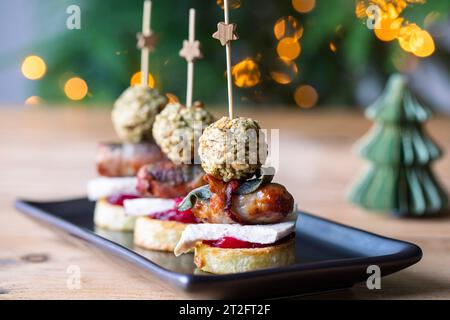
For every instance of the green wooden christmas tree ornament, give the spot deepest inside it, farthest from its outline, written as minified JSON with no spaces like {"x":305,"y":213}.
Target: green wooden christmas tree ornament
{"x":399,"y":179}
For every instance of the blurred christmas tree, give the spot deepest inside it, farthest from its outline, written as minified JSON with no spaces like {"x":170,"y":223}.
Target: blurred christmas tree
{"x":399,"y":179}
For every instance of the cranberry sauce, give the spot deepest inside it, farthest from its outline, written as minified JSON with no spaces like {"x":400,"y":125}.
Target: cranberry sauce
{"x":233,"y":243}
{"x":118,"y":199}
{"x":176,"y":215}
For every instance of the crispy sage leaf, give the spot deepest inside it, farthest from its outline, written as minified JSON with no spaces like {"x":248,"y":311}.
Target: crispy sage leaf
{"x":263,"y":176}
{"x":201,"y":193}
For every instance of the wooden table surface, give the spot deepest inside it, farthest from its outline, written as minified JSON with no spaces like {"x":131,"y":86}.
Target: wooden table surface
{"x":48,"y":153}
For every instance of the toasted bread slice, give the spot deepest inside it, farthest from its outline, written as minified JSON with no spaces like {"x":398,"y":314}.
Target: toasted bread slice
{"x":223,"y":261}
{"x":112,"y":217}
{"x":157,"y":234}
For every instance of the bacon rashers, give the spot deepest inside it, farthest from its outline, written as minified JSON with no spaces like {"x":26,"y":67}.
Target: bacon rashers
{"x":142,"y":172}
{"x":117,"y":165}
{"x":163,"y":185}
{"x":164,"y":179}
{"x":160,"y":185}
{"x":125,"y":159}
{"x":243,"y":232}
{"x":271,"y":203}
{"x":141,"y":169}
{"x":247,"y":222}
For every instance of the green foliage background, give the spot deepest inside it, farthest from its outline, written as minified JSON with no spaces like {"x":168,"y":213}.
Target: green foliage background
{"x":104,"y":51}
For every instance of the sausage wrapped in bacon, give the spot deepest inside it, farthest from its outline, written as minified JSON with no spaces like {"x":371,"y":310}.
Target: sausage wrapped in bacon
{"x":124,"y":160}
{"x":165,"y":179}
{"x":270,"y":203}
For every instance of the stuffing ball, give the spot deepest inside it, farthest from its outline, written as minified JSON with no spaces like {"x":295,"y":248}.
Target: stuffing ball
{"x":134,"y":113}
{"x":233,"y":149}
{"x":177,"y":129}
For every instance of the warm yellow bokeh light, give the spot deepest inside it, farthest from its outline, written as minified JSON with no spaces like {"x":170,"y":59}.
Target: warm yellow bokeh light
{"x":284,"y":71}
{"x":246,"y":73}
{"x":389,"y":29}
{"x":232,"y":4}
{"x":332,"y":47}
{"x":75,"y":88}
{"x":33,"y":101}
{"x":287,"y":27}
{"x":303,"y":6}
{"x":389,"y":8}
{"x":33,"y":67}
{"x":171,"y":98}
{"x":401,"y":5}
{"x":361,"y":9}
{"x":289,"y":48}
{"x":405,"y":34}
{"x":136,"y":79}
{"x":306,"y":96}
{"x":415,"y":40}
{"x":422,"y":44}
{"x":392,"y":26}
{"x":392,"y":11}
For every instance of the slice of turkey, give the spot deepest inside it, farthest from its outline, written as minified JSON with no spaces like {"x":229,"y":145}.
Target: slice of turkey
{"x":104,"y":187}
{"x":264,"y":234}
{"x":147,"y":206}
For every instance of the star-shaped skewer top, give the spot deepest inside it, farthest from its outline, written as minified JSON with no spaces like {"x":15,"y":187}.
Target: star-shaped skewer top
{"x":146,"y":41}
{"x":191,"y":50}
{"x":225,"y":33}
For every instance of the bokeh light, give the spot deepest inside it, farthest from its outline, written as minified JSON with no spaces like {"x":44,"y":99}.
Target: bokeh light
{"x":287,"y":27}
{"x":284,"y":71}
{"x":303,"y":6}
{"x":136,"y":79}
{"x":415,"y":40}
{"x":410,"y":36}
{"x":389,"y":29}
{"x":33,"y":67}
{"x":33,"y":101}
{"x":232,"y":4}
{"x":361,"y":9}
{"x":75,"y":88}
{"x":289,"y":48}
{"x":246,"y":73}
{"x":422,"y":44}
{"x":405,"y":34}
{"x":332,"y":46}
{"x":306,"y":96}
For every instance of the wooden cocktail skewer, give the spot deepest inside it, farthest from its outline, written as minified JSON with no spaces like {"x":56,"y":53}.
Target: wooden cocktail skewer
{"x":191,"y":52}
{"x":225,"y":33}
{"x":146,"y":41}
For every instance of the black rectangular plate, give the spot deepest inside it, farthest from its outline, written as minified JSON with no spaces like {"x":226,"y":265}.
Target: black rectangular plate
{"x":329,"y":255}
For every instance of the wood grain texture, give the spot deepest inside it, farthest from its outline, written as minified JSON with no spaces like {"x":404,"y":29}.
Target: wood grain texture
{"x":48,"y":153}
